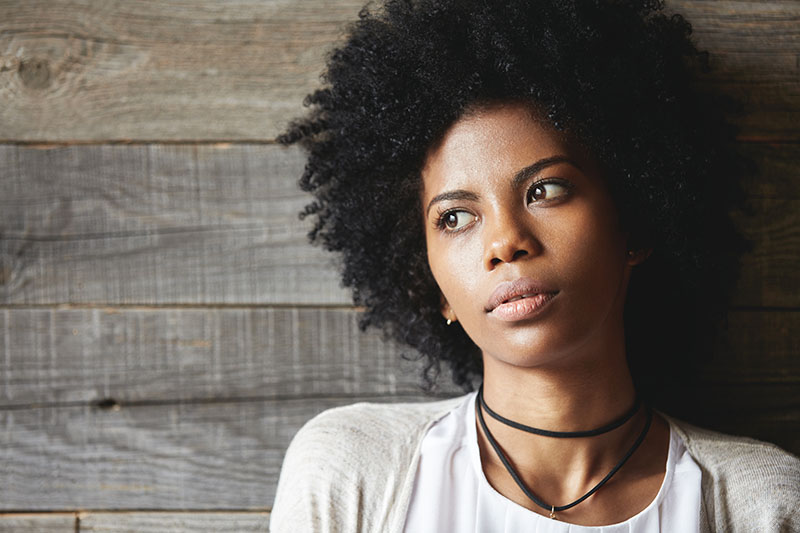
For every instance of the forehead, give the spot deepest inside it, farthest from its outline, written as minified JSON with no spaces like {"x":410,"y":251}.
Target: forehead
{"x":492,"y":142}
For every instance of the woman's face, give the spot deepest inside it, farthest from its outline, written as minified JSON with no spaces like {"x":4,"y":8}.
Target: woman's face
{"x":523,"y":239}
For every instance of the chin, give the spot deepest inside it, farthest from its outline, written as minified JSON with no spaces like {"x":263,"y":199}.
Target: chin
{"x":535,"y":349}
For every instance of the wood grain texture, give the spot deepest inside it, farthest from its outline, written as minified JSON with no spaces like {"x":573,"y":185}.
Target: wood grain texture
{"x":136,"y":522}
{"x":225,"y":455}
{"x":217,"y":224}
{"x":171,"y":522}
{"x":38,"y":523}
{"x":170,"y":355}
{"x":83,"y":356}
{"x":770,"y":274}
{"x":73,"y":70}
{"x":190,"y":69}
{"x":754,"y":49}
{"x":175,"y":456}
{"x":158,"y":224}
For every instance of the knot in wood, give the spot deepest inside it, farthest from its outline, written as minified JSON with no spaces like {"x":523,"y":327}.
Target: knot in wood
{"x":108,"y":404}
{"x":35,"y":73}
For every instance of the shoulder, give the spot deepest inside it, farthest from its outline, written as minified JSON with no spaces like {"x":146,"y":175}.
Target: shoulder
{"x":369,"y":428}
{"x":347,"y":465}
{"x":733,"y":456}
{"x":746,"y":482}
{"x":368,"y":419}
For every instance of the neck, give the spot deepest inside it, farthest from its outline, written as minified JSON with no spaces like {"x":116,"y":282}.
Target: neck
{"x":582,"y":394}
{"x":574,"y":397}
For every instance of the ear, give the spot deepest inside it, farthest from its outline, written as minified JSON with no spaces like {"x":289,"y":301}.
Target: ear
{"x":637,"y":248}
{"x":446,"y":310}
{"x":637,"y":257}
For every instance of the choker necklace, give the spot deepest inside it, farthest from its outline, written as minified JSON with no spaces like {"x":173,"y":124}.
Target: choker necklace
{"x":562,"y":434}
{"x":558,"y":508}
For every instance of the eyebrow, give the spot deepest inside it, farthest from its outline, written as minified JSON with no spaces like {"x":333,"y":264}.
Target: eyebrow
{"x":519,"y":178}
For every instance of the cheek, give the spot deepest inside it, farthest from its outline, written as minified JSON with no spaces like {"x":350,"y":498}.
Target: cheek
{"x":451,"y":264}
{"x":439,"y":263}
{"x":593,"y":249}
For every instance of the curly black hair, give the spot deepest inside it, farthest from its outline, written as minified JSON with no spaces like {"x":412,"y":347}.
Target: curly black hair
{"x":618,"y":75}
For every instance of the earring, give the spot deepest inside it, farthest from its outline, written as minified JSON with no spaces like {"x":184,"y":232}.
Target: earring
{"x":449,"y":321}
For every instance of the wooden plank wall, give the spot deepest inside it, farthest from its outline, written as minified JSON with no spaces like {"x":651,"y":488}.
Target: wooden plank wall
{"x":164,"y":327}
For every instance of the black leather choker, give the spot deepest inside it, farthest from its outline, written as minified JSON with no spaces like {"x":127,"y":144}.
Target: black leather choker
{"x":479,"y":402}
{"x":562,"y":434}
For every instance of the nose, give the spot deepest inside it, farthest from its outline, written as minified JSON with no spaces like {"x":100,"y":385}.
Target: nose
{"x":508,"y":240}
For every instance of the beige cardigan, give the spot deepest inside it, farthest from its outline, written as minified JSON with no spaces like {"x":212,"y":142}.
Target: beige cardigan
{"x":351,"y":469}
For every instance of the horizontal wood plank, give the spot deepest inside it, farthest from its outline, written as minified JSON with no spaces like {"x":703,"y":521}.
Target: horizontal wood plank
{"x":754,"y":48}
{"x":171,"y":522}
{"x":185,"y":456}
{"x":158,"y":224}
{"x":72,"y":70}
{"x":218,"y":224}
{"x":39,"y":523}
{"x":198,"y":70}
{"x":129,"y":355}
{"x":86,"y":356}
{"x":770,"y":273}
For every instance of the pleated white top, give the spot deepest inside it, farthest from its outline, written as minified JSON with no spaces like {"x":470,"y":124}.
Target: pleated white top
{"x":451,"y":493}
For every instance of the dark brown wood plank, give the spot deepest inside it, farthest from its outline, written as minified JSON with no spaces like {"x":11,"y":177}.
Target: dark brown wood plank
{"x":227,"y":455}
{"x":172,"y":522}
{"x":754,"y":48}
{"x":217,"y":224}
{"x":778,"y":174}
{"x":40,"y":523}
{"x":77,"y":71}
{"x":132,"y":356}
{"x":770,"y":274}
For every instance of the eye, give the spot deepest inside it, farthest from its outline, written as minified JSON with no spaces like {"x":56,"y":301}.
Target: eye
{"x":548,"y":190}
{"x":456,"y":220}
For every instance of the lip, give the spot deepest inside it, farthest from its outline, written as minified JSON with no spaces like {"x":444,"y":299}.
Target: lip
{"x":528,"y":297}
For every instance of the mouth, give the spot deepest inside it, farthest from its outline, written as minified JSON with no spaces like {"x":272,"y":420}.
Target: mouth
{"x":515,"y":298}
{"x":519,"y":299}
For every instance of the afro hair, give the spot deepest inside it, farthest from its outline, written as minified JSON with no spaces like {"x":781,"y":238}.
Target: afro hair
{"x":618,"y":75}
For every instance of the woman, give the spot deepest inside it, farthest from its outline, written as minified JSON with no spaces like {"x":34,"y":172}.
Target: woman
{"x":532,"y":194}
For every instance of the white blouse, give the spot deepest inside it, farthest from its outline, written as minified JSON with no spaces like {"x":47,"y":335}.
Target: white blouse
{"x":451,"y":493}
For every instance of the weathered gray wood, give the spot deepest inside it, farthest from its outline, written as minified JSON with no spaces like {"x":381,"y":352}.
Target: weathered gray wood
{"x":171,"y":522}
{"x":166,"y":224}
{"x":86,"y":355}
{"x":224,"y":455}
{"x":158,"y":224}
{"x":74,"y":70}
{"x":220,"y":455}
{"x":203,"y":69}
{"x":58,"y":356}
{"x":38,"y":523}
